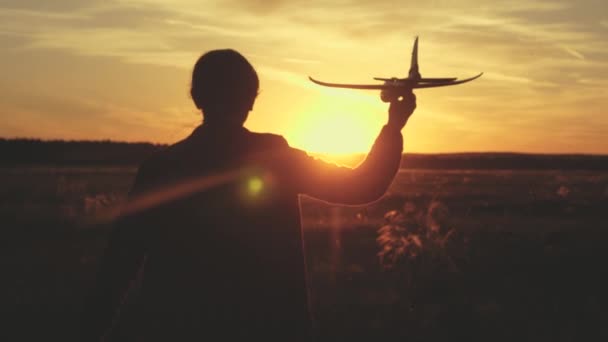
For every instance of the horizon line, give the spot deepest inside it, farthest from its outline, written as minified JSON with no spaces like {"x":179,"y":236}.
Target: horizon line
{"x":55,"y":140}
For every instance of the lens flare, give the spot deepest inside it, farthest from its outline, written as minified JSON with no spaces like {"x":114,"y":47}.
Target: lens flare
{"x":255,"y":185}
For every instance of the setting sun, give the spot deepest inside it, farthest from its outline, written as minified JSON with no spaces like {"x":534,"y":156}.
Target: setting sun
{"x":336,"y":134}
{"x":339,"y":122}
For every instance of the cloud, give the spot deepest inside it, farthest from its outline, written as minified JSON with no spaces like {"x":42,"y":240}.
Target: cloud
{"x":259,"y":6}
{"x":50,"y":7}
{"x":507,"y":78}
{"x":572,"y":52}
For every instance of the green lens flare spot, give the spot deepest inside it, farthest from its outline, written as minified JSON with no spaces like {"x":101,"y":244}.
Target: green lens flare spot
{"x":255,"y":185}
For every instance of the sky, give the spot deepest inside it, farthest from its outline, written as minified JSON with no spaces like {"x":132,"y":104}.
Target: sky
{"x":120,"y":70}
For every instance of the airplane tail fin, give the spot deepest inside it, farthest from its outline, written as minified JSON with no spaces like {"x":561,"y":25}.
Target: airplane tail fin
{"x":414,"y":72}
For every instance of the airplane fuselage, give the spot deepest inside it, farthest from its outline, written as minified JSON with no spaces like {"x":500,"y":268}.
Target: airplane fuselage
{"x":400,"y":82}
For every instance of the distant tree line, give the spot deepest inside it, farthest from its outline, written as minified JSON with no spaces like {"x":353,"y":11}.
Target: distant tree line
{"x":59,"y":152}
{"x":505,"y":161}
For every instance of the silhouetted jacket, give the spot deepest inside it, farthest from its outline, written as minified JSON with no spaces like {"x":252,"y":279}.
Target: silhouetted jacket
{"x":218,"y":248}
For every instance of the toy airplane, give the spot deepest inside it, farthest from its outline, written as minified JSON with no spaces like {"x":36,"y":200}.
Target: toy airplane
{"x":394,"y":86}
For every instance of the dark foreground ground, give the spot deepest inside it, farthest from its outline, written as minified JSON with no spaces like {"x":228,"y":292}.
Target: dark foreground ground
{"x":527,"y":259}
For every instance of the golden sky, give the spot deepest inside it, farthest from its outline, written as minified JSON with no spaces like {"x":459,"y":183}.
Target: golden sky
{"x":102,"y":69}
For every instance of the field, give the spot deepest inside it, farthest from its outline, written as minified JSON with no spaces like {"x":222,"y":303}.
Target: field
{"x":526,"y":259}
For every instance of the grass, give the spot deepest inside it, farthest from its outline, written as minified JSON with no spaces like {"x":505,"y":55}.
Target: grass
{"x":532,"y":262}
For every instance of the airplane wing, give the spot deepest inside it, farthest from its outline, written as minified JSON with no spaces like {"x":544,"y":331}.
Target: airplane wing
{"x":437,"y":80}
{"x":429,"y":83}
{"x":444,"y":84}
{"x":350,"y":86}
{"x":425,"y":80}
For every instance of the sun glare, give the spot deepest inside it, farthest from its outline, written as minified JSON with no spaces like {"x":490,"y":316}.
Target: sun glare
{"x":336,"y":135}
{"x":335,"y":126}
